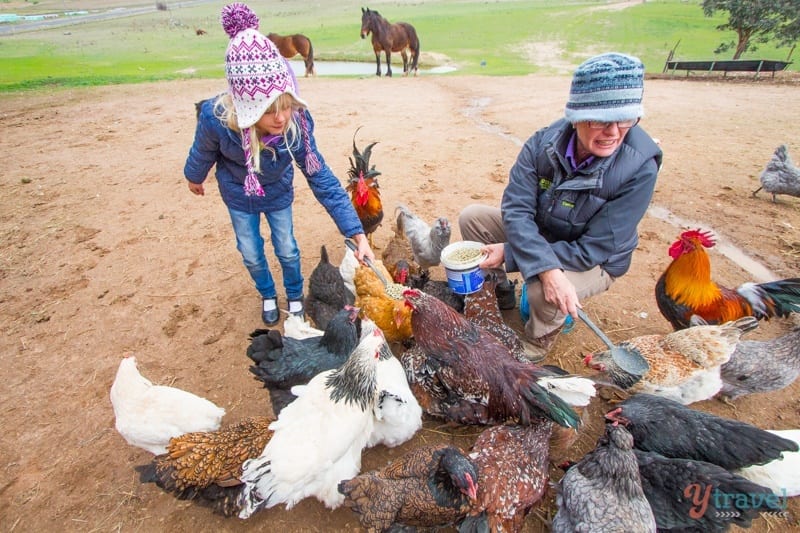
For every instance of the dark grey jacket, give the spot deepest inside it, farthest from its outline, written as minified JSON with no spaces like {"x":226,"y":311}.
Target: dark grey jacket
{"x":555,"y":218}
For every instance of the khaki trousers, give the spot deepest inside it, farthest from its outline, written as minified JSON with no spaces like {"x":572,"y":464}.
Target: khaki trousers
{"x":484,"y":224}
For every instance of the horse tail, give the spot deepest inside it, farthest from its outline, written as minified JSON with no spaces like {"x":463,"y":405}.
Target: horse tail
{"x":413,"y":43}
{"x":310,"y":58}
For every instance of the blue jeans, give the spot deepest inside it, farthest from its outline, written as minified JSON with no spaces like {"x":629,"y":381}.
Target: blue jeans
{"x":250,"y":243}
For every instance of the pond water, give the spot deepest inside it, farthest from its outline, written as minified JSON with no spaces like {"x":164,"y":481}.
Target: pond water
{"x":358,"y":68}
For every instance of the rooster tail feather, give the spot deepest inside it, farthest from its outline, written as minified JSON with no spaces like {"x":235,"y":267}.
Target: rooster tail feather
{"x":784,"y":295}
{"x":551,"y":405}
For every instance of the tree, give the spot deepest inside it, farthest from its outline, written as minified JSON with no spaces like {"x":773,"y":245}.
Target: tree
{"x":756,"y":21}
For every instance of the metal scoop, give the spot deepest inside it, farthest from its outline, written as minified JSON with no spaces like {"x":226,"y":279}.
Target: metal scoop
{"x":628,"y":360}
{"x":352,"y":245}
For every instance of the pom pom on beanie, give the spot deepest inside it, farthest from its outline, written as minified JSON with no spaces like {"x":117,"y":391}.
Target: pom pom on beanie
{"x":606,"y":88}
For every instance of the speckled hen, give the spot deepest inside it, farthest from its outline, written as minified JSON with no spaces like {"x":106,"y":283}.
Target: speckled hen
{"x":683,"y":365}
{"x":513,"y":464}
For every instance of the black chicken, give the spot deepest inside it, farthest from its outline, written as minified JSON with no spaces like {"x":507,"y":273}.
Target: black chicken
{"x":327,"y":294}
{"x":674,"y":430}
{"x":283,"y":362}
{"x":464,"y":374}
{"x":429,"y":486}
{"x":699,"y":496}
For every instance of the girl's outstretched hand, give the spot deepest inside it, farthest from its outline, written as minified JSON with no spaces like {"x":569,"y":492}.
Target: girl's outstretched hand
{"x":196,"y":188}
{"x":364,"y":250}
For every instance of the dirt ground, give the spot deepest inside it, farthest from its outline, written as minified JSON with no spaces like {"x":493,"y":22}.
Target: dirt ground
{"x":105,"y":251}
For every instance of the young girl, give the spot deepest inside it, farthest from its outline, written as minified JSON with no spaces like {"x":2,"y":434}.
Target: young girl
{"x":254,"y":133}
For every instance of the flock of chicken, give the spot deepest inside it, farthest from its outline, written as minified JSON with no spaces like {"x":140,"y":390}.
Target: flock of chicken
{"x":387,"y":345}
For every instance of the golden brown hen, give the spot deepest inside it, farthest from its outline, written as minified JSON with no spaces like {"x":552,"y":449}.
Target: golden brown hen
{"x":393,"y":316}
{"x":684,"y":365}
{"x":205,"y":466}
{"x":365,"y":193}
{"x":513,"y":462}
{"x":429,"y":486}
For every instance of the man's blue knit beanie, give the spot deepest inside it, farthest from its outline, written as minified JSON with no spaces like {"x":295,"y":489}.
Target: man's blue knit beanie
{"x":606,"y":88}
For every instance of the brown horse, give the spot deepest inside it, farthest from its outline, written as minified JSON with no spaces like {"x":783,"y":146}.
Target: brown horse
{"x":291,"y":45}
{"x":387,"y":37}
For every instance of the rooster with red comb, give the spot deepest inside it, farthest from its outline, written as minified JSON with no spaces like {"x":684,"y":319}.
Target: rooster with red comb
{"x":686,"y":289}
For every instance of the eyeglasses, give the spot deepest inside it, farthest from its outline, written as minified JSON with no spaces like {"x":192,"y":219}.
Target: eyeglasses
{"x":621,"y":124}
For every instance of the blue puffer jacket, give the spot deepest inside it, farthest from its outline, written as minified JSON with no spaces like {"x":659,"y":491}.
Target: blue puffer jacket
{"x":557,"y":218}
{"x":214,"y":143}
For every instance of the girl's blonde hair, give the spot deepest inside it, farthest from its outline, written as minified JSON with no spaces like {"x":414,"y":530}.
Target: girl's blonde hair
{"x":225,"y":111}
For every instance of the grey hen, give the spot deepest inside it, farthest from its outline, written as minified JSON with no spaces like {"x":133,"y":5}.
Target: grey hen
{"x":427,"y":240}
{"x":781,"y":176}
{"x":603,"y":491}
{"x":762,"y":366}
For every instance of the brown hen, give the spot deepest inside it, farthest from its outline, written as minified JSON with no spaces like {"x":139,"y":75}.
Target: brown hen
{"x":513,"y":462}
{"x":430,"y":486}
{"x":205,"y":466}
{"x":365,"y":193}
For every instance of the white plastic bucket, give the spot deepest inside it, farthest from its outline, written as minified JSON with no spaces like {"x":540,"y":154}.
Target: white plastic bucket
{"x":463,"y":277}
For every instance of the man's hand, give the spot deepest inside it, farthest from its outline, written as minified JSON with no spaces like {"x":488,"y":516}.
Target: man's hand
{"x":560,"y":291}
{"x":495,"y":255}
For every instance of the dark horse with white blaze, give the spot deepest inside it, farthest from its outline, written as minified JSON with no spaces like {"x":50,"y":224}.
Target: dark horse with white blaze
{"x":398,"y":37}
{"x":291,"y":45}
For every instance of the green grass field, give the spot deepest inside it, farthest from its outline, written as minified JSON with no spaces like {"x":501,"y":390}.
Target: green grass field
{"x":492,"y":38}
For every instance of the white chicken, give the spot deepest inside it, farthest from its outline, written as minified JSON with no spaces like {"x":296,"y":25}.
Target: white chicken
{"x":318,"y":437}
{"x":398,"y":414}
{"x":148,"y":415}
{"x":781,"y":476}
{"x":347,"y":268}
